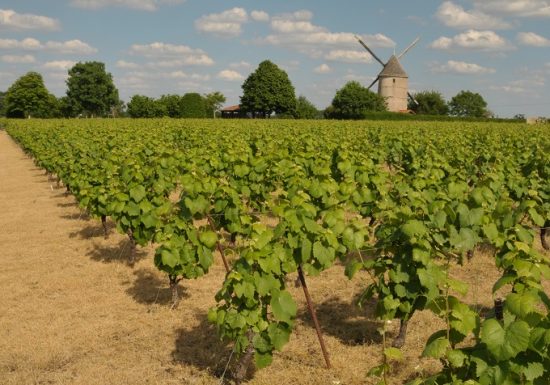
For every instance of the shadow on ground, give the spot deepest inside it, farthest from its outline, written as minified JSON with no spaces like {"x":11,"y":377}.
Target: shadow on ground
{"x":78,"y":216}
{"x":346,"y":321}
{"x":68,"y":204}
{"x":201,"y":347}
{"x":61,"y":193}
{"x":149,"y":289}
{"x":93,"y":230}
{"x":118,"y":253}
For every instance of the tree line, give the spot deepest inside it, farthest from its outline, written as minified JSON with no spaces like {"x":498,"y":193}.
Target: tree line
{"x":91,"y":93}
{"x":189,"y":105}
{"x":267,"y":92}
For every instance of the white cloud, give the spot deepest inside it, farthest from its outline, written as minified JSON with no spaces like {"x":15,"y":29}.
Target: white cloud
{"x":57,"y":76}
{"x":295,"y":31}
{"x":226,"y":24}
{"x":322,"y":69}
{"x":462,"y":68}
{"x":27,"y":44}
{"x":155,"y":75}
{"x":241,"y":64}
{"x":516,"y":8}
{"x":230,"y":75}
{"x":290,"y":66}
{"x":522,"y":86}
{"x":126,"y":64}
{"x":9,"y":19}
{"x":160,"y":65}
{"x":65,"y":47}
{"x":70,"y":47}
{"x":165,"y":64}
{"x":293,"y":26}
{"x":176,"y":75}
{"x":201,"y":59}
{"x":474,"y":40}
{"x":200,"y":77}
{"x":132,"y":82}
{"x":349,"y":56}
{"x":198,"y":60}
{"x":259,"y":16}
{"x":18,"y":59}
{"x":143,"y":5}
{"x":162,"y":49}
{"x":323,"y":39}
{"x":59,"y":65}
{"x":351,"y":75}
{"x":453,"y":15}
{"x":195,"y":86}
{"x":302,"y":14}
{"x":530,"y":78}
{"x":511,"y":89}
{"x":179,"y":54}
{"x":157,"y":82}
{"x":532,"y":39}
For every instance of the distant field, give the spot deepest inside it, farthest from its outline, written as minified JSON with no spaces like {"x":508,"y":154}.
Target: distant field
{"x":111,"y":223}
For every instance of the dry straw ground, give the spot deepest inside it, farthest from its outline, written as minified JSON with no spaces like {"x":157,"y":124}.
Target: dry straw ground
{"x":72,"y":311}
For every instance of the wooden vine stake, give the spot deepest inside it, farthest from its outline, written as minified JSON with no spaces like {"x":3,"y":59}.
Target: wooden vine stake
{"x":240,"y":373}
{"x":543,"y":232}
{"x":313,"y":316}
{"x":218,"y":244}
{"x":132,"y":256}
{"x":104,"y":224}
{"x":174,"y":280}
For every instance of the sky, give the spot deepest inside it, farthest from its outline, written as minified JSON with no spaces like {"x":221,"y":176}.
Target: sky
{"x":498,"y":48}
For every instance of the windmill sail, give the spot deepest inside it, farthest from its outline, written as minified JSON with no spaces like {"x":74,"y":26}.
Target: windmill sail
{"x":393,"y":81}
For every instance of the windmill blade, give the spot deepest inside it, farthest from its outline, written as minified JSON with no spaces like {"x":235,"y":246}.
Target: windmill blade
{"x":370,"y":51}
{"x":408,"y":48}
{"x":375,"y":80}
{"x":412,"y":98}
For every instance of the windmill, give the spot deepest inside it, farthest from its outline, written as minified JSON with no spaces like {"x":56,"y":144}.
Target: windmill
{"x":393,"y":81}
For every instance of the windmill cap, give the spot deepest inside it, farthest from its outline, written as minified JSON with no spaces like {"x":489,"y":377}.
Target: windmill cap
{"x":393,"y":69}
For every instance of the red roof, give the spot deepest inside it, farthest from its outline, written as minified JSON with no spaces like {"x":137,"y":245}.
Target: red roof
{"x":231,"y":108}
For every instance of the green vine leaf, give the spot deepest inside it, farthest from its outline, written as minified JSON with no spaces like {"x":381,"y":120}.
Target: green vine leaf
{"x":505,"y":343}
{"x":283,"y":307}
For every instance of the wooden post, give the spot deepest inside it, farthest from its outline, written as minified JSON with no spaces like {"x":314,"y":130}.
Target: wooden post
{"x":313,"y":316}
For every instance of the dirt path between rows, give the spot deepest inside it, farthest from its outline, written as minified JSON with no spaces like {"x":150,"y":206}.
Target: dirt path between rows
{"x":73,"y":312}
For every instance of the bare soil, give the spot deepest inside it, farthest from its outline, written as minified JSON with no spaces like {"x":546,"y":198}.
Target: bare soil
{"x":73,"y":312}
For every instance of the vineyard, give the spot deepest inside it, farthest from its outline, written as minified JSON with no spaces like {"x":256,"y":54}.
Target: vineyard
{"x":283,"y":206}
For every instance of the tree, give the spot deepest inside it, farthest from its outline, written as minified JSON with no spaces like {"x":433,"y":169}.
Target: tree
{"x":28,"y":97}
{"x":468,"y":104}
{"x":2,"y":96}
{"x":429,"y":103}
{"x":305,"y":109}
{"x":171,"y":105}
{"x":67,"y":108}
{"x":193,"y":106}
{"x":91,"y":90}
{"x":145,"y":107}
{"x":268,"y":90}
{"x":353,"y":101}
{"x":213,"y":102}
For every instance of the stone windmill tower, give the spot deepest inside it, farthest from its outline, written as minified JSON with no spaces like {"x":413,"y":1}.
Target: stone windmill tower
{"x":393,"y":81}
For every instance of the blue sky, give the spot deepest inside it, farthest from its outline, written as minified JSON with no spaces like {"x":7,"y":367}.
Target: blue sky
{"x":499,"y":48}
